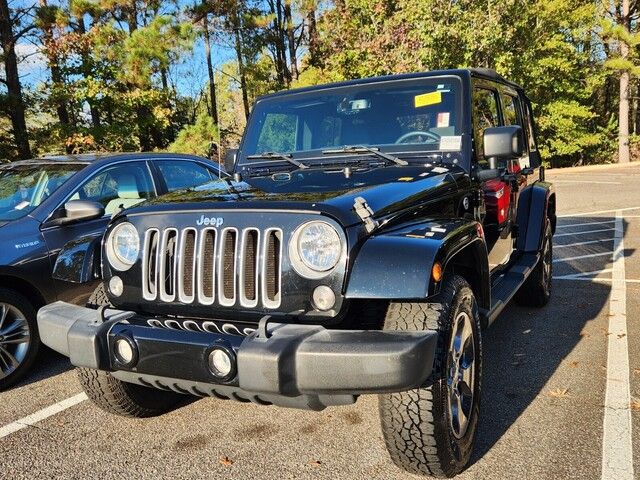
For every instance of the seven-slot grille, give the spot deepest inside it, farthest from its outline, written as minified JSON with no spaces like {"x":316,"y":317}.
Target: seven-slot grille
{"x":213,"y":266}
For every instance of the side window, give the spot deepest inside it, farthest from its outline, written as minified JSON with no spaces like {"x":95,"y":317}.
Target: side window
{"x":278,"y":133}
{"x":181,"y":174}
{"x":485,"y":115}
{"x":127,"y":184}
{"x":511,"y":110}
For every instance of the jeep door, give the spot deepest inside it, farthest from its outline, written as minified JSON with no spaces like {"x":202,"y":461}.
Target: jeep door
{"x":499,"y":105}
{"x":125,"y":184}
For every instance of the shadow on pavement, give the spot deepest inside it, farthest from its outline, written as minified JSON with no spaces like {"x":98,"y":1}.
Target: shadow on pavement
{"x":48,"y":364}
{"x":525,"y":346}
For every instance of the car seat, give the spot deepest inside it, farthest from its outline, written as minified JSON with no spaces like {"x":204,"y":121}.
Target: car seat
{"x":128,"y":194}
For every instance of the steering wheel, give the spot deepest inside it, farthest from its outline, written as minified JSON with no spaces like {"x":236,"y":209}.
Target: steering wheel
{"x":418,"y":133}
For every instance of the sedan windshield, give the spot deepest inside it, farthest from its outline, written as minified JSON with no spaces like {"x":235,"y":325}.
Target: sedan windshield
{"x":408,"y":115}
{"x":24,"y":187}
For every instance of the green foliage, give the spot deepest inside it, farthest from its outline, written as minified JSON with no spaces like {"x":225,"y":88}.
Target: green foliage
{"x":197,"y":138}
{"x":111,"y":63}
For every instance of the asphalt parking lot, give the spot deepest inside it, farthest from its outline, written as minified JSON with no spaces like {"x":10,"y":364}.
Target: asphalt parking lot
{"x":545,"y":412}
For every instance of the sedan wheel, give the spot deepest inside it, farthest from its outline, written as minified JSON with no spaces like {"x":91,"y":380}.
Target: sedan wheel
{"x":14,"y":339}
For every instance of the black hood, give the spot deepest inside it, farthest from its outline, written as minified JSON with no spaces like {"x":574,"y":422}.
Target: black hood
{"x":388,"y":191}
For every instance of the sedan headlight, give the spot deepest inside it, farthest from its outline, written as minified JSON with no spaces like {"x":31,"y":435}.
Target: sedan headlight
{"x":123,"y":246}
{"x":315,"y":249}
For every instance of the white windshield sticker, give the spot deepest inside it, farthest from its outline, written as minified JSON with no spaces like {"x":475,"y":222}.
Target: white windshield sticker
{"x":451,"y":143}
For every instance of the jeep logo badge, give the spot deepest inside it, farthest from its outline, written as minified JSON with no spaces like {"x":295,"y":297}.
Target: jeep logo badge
{"x":213,"y":221}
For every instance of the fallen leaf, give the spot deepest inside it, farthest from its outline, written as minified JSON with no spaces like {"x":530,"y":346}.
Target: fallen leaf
{"x":315,"y":462}
{"x":636,"y":371}
{"x":622,"y":335}
{"x":635,"y":404}
{"x":573,"y":364}
{"x":559,"y":393}
{"x":585,"y":334}
{"x":226,"y":461}
{"x":605,"y":332}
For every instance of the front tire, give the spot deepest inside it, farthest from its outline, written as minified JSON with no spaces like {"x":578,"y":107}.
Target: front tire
{"x":19,"y":339}
{"x":118,"y":397}
{"x":431,"y":430}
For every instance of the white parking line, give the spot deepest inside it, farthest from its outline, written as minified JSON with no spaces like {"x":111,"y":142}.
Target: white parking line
{"x":590,"y":242}
{"x":41,"y":415}
{"x":588,"y":223}
{"x":617,"y":449}
{"x":597,"y":212}
{"x":586,"y":181}
{"x":593,"y":279}
{"x":582,"y":233}
{"x":575,"y":276}
{"x":579,"y":257}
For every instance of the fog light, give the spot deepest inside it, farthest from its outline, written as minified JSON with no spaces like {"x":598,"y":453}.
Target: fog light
{"x":323,"y":298}
{"x":116,"y":287}
{"x":125,"y":351}
{"x":222,"y":363}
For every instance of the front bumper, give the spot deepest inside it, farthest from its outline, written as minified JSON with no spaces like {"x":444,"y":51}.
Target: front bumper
{"x":304,"y":366}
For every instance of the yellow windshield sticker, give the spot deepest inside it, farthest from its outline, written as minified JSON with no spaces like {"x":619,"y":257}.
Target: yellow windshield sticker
{"x":427,"y":99}
{"x":405,"y":179}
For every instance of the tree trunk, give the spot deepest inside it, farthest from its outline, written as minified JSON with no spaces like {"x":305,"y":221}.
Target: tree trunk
{"x":212,"y":80}
{"x":243,"y":78}
{"x":291,"y":40}
{"x":623,"y":115}
{"x":53,"y":62}
{"x":14,"y":89}
{"x":312,"y":30}
{"x":87,"y":71}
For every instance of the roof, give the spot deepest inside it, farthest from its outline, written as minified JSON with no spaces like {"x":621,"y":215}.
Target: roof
{"x":89,"y":158}
{"x":475,"y":72}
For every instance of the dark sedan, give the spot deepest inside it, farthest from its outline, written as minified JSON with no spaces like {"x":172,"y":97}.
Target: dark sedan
{"x":46,"y":203}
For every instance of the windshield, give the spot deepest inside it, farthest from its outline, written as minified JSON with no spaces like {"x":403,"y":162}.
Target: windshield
{"x":411,"y":115}
{"x":24,"y":187}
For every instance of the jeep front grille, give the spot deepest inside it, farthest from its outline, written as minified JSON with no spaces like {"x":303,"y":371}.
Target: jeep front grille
{"x":210,"y":266}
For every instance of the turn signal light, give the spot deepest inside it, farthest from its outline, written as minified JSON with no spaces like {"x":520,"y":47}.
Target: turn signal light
{"x":436,"y":272}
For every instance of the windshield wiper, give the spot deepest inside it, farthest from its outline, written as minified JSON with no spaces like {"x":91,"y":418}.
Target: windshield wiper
{"x":277,"y":156}
{"x":359,"y":149}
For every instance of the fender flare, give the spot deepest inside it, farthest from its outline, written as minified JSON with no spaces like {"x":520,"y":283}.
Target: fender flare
{"x":79,"y":261}
{"x":536,"y":203}
{"x":397,"y":265}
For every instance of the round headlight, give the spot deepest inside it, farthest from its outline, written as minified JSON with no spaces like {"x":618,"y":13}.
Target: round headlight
{"x":316,"y":249}
{"x":123,"y":246}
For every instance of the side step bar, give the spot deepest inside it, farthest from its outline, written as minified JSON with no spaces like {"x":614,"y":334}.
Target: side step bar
{"x":508,"y":284}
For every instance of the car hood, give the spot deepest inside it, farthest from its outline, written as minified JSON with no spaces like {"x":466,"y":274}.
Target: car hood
{"x":387,"y":191}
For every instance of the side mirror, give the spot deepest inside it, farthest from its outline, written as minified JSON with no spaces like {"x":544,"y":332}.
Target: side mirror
{"x":504,"y":143}
{"x":230,"y":159}
{"x":78,"y":210}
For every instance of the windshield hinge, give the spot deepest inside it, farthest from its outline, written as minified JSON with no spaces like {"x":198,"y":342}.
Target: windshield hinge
{"x":364,"y":211}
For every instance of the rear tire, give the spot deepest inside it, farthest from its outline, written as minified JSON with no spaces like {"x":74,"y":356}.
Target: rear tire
{"x":118,"y":397}
{"x":423,"y":429}
{"x":19,"y":338}
{"x":536,"y":291}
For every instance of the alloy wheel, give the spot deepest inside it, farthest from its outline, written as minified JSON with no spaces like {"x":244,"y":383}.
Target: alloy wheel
{"x":14,"y":339}
{"x":461,"y":374}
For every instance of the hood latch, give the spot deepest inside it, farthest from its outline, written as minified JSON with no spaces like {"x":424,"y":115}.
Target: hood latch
{"x":364,"y":211}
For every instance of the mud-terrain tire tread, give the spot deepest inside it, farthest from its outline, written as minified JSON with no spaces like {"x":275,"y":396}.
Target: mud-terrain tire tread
{"x":125,"y":399}
{"x":29,"y":310}
{"x":412,"y":421}
{"x":118,"y":397}
{"x":534,"y":292}
{"x":99,"y":298}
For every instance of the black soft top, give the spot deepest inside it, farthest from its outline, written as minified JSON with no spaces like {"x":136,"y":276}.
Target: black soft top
{"x":485,"y":73}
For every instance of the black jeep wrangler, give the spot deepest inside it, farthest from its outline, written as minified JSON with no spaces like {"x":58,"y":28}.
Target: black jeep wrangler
{"x":371,"y":230}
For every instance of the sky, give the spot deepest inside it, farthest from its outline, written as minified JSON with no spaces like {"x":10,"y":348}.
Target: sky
{"x":189,"y":76}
